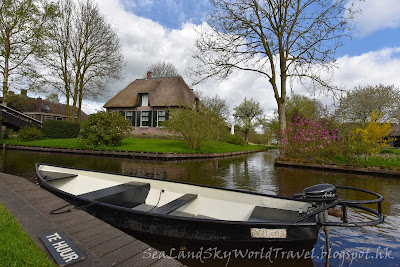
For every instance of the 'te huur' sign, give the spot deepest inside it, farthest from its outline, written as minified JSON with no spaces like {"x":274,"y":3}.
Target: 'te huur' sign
{"x":61,"y":248}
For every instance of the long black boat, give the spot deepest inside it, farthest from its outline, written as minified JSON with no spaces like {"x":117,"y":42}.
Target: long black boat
{"x":186,"y":211}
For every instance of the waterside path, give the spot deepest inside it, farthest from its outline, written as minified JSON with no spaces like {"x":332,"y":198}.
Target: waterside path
{"x":102,"y":244}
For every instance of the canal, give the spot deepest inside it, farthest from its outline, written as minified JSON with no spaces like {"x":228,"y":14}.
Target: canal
{"x":366,"y":246}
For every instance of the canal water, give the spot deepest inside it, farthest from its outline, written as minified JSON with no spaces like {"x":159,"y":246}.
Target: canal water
{"x":366,"y":246}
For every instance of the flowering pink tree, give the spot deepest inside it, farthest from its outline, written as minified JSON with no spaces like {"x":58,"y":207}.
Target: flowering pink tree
{"x":306,"y":139}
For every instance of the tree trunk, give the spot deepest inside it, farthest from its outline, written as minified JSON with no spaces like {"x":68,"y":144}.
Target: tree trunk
{"x":5,"y":75}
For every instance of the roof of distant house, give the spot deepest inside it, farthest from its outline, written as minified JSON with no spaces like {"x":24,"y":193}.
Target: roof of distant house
{"x":170,"y":91}
{"x":395,"y":131}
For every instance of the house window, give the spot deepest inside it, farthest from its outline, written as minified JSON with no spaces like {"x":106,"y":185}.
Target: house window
{"x":145,"y":118}
{"x":48,"y":118}
{"x":160,"y":117}
{"x":47,"y":108}
{"x":129,"y":115}
{"x":145,"y":100}
{"x":59,"y":119}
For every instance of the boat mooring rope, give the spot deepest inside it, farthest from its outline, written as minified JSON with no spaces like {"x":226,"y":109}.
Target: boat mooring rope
{"x":159,"y":198}
{"x":54,"y":212}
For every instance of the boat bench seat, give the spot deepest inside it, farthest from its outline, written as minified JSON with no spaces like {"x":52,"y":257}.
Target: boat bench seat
{"x":52,"y":176}
{"x":126,"y":195}
{"x":264,"y":214}
{"x":175,"y":204}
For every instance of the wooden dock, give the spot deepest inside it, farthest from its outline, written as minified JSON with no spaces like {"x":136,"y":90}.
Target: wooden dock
{"x":102,"y":244}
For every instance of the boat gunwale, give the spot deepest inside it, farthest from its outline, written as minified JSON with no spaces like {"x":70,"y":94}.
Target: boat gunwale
{"x":230,"y":222}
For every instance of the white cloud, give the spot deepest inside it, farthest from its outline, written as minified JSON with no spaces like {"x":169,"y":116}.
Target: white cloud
{"x":375,"y":15}
{"x":145,"y":42}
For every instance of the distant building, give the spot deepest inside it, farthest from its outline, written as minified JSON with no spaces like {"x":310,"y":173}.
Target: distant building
{"x":395,"y":133}
{"x":40,"y":109}
{"x":145,"y":102}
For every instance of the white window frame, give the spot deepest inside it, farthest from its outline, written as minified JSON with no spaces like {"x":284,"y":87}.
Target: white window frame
{"x":145,"y":100}
{"x":158,"y":115}
{"x":141,"y":119}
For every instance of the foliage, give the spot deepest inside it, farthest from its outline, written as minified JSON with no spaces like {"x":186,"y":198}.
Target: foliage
{"x":16,"y":248}
{"x":103,"y":129}
{"x":23,"y":27}
{"x":278,"y":40}
{"x":163,"y":69}
{"x":308,"y":139}
{"x":84,"y":53}
{"x":53,"y":98}
{"x":217,"y":105}
{"x":30,"y":133}
{"x":61,"y":129}
{"x":369,"y":139}
{"x":235,"y":139}
{"x":196,"y":126}
{"x":248,"y":113}
{"x":303,"y":107}
{"x":9,"y":133}
{"x":20,"y":103}
{"x":358,"y":104}
{"x":261,"y":138}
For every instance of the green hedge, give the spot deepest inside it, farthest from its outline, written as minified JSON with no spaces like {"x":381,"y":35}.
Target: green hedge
{"x":61,"y":129}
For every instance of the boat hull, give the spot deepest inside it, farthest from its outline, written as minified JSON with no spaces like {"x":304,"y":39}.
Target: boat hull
{"x":193,"y":230}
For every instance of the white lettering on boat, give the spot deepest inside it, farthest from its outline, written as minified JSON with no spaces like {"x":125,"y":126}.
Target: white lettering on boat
{"x":268,"y":233}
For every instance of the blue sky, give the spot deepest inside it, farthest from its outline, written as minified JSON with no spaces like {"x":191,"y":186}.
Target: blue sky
{"x":155,"y":30}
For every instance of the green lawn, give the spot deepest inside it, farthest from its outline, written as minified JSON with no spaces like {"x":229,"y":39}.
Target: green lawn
{"x":142,"y":145}
{"x":16,"y":248}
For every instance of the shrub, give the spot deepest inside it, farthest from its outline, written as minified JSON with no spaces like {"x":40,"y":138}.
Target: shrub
{"x":235,"y":139}
{"x":61,"y":129}
{"x":309,"y":139}
{"x":369,"y":139}
{"x":104,"y":129}
{"x":30,"y":133}
{"x":196,"y":126}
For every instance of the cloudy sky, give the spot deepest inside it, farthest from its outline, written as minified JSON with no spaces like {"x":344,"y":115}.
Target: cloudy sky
{"x":155,"y":30}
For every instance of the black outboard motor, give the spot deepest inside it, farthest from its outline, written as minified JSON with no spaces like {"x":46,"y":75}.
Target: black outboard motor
{"x":325,"y":193}
{"x":320,"y":193}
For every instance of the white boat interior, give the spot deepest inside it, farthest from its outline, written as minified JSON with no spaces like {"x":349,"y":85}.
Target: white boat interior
{"x":170,"y":198}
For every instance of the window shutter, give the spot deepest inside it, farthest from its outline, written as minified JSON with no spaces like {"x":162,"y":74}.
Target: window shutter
{"x":133,"y":118}
{"x":167,"y":114}
{"x":122,"y":113}
{"x":155,"y":118}
{"x":150,"y":113}
{"x":138,"y":118}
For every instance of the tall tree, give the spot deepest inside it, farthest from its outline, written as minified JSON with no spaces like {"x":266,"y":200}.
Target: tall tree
{"x":163,"y":69}
{"x":275,"y":39}
{"x":22,"y":29}
{"x":86,"y":53}
{"x":358,"y":104}
{"x":249,"y":115}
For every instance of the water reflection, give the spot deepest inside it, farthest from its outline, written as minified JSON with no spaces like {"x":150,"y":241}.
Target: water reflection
{"x":255,"y":172}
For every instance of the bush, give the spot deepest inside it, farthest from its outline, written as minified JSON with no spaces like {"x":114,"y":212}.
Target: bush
{"x":196,"y":126}
{"x":235,"y":139}
{"x":312,"y":140}
{"x":30,"y":133}
{"x":103,"y":129}
{"x":61,"y":129}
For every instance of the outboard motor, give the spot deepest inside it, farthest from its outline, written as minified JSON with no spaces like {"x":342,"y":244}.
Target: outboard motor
{"x":325,"y":193}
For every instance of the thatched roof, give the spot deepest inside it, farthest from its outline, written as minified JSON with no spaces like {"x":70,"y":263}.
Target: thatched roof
{"x":395,"y":130}
{"x":163,"y":92}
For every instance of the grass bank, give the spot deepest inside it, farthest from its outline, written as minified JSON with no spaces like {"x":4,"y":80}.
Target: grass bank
{"x":142,"y":145}
{"x":16,"y":248}
{"x":386,"y":160}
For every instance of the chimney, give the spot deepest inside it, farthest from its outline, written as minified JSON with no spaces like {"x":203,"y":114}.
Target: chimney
{"x":24,"y":92}
{"x":39,"y":104}
{"x":148,"y":75}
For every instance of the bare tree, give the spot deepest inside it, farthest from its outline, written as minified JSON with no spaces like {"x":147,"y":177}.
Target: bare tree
{"x":358,"y":104}
{"x":22,"y":27}
{"x":87,"y":53}
{"x":217,"y":105}
{"x":275,"y":39}
{"x":163,"y":69}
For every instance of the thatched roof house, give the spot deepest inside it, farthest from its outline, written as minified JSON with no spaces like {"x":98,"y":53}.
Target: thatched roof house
{"x":395,"y":133}
{"x":145,"y":101}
